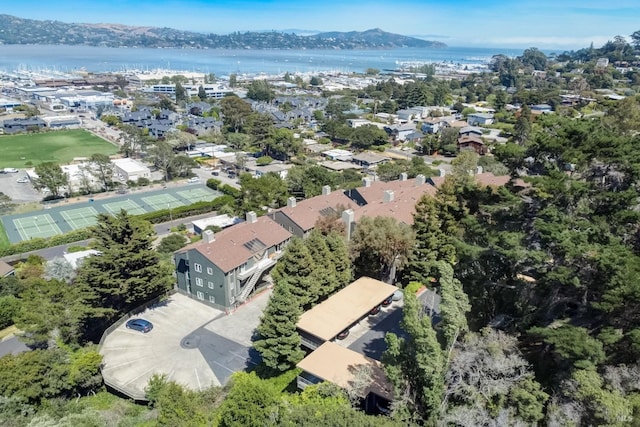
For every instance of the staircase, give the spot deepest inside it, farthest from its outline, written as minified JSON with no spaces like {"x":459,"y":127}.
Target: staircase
{"x":251,"y":283}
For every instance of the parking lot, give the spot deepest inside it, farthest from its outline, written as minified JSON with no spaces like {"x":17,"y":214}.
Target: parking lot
{"x":19,"y":192}
{"x":191,"y":343}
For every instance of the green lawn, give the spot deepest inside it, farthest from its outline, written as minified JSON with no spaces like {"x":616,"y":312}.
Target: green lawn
{"x":20,"y":151}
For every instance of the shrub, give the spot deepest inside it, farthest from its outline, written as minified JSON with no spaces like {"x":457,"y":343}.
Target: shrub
{"x":264,"y":160}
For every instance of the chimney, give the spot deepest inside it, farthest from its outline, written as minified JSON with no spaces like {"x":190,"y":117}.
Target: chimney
{"x":348,"y":217}
{"x":291,"y":202}
{"x":420,"y":179}
{"x":326,"y":190}
{"x":366,"y":182}
{"x":208,"y":236}
{"x":479,"y":170}
{"x":251,"y":217}
{"x":442,"y":172}
{"x":387,"y":196}
{"x":403,"y":176}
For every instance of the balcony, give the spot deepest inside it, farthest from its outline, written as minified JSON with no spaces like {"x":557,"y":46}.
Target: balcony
{"x":261,"y":265}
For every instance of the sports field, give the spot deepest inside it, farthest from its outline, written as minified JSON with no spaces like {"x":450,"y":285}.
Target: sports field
{"x":19,"y":151}
{"x":64,"y":216}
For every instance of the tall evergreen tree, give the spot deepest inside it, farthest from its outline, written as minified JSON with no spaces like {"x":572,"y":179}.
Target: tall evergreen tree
{"x":127,"y":272}
{"x":454,"y":306}
{"x":279,"y":341}
{"x":415,"y":366}
{"x":325,"y":274}
{"x":340,"y":255}
{"x":295,"y":267}
{"x":434,"y":239}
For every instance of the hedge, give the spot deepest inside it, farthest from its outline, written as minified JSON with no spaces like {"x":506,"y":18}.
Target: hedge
{"x":40,"y":243}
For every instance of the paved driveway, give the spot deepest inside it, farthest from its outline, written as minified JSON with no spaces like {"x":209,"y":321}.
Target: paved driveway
{"x":191,"y":343}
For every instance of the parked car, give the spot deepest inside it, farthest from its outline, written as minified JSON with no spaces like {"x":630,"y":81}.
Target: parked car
{"x":193,"y":179}
{"x":375,"y":310}
{"x":342,"y":335}
{"x":215,"y":173}
{"x":387,"y":302}
{"x":10,"y":170}
{"x":22,"y":180}
{"x":140,"y":325}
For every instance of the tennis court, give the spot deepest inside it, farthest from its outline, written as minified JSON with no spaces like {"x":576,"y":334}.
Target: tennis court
{"x":63,"y":217}
{"x":128,"y":205}
{"x":198,"y":194}
{"x":163,"y":201}
{"x":36,"y":226}
{"x":80,"y":218}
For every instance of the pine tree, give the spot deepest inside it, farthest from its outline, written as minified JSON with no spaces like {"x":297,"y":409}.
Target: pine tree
{"x":127,"y":272}
{"x":415,"y":366}
{"x":324,"y":274}
{"x":454,"y":306}
{"x":279,"y":342}
{"x":434,"y":239}
{"x":341,"y":261}
{"x":295,"y":267}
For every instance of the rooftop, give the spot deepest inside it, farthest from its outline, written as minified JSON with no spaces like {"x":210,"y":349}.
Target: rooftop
{"x":342,"y":309}
{"x":233,"y":246}
{"x":307,"y":212}
{"x":343,"y":368}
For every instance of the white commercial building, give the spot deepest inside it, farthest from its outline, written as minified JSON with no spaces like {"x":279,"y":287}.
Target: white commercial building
{"x":131,"y":170}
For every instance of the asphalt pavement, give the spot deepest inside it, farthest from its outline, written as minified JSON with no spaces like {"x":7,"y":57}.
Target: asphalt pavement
{"x":12,"y":345}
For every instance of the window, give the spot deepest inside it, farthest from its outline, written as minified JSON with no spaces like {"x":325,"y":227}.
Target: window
{"x":198,"y":281}
{"x":200,"y":295}
{"x":210,"y":285}
{"x":197,"y":267}
{"x":212,"y":299}
{"x":209,"y":270}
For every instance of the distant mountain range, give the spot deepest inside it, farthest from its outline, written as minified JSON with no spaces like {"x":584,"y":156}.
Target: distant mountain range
{"x":14,"y":30}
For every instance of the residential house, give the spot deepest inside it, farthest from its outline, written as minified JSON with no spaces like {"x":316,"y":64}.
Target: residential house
{"x":224,"y":268}
{"x":472,"y":142}
{"x":470,"y":131}
{"x":368,"y":160}
{"x":433,"y":125}
{"x":480,"y":119}
{"x":300,"y":217}
{"x":541,"y":109}
{"x":400,"y":132}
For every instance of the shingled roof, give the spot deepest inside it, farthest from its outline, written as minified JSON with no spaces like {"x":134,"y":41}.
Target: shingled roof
{"x":235,"y":245}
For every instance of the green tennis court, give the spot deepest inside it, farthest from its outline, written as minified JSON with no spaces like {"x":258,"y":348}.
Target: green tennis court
{"x":36,"y":226}
{"x":198,"y":194}
{"x":80,"y":218}
{"x":163,"y":201}
{"x":129,"y":205}
{"x":63,"y":217}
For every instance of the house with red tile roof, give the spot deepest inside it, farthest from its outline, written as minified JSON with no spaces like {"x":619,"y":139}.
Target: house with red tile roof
{"x":224,"y":268}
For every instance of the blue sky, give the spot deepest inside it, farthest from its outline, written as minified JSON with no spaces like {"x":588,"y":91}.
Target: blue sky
{"x":518,"y":23}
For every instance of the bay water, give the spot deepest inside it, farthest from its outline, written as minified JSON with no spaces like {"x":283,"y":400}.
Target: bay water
{"x":69,"y":59}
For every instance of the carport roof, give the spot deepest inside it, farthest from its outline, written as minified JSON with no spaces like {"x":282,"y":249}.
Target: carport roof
{"x":341,"y":310}
{"x":334,"y":363}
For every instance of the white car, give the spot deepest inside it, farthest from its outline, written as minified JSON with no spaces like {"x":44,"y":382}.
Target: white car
{"x":193,"y":179}
{"x":23,"y":180}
